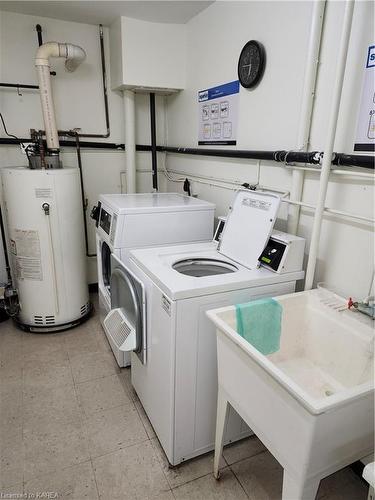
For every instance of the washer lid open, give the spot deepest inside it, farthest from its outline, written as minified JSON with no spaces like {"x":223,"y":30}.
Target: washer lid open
{"x":249,"y":226}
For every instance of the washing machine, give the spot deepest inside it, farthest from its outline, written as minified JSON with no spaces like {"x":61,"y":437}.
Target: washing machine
{"x":174,"y":368}
{"x":125,"y":221}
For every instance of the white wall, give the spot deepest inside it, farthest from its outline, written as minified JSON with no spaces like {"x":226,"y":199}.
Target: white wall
{"x":269,"y":118}
{"x":269,"y":115}
{"x":79,"y":103}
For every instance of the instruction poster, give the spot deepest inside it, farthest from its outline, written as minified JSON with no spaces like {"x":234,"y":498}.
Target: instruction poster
{"x":365,"y":140}
{"x":218,"y":114}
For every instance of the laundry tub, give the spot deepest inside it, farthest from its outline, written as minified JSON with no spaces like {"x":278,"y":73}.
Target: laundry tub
{"x":311,"y":402}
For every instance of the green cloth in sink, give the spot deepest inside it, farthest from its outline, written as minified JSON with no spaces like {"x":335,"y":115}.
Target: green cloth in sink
{"x":259,"y":322}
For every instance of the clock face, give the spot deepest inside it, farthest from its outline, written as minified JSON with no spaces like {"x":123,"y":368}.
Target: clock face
{"x":251,"y":64}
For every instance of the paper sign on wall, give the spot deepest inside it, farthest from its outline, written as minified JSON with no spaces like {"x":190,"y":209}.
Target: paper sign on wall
{"x":218,"y":114}
{"x":365,"y":140}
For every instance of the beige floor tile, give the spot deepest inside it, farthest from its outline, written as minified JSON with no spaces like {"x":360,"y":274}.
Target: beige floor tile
{"x":243,"y":449}
{"x":72,"y":483}
{"x":145,"y":421}
{"x":92,"y":366}
{"x":50,"y":404}
{"x":10,"y":374}
{"x":9,"y":333}
{"x":10,"y":406}
{"x":208,"y":488}
{"x":46,"y":374}
{"x":261,"y":476}
{"x":11,"y":458}
{"x":11,"y":349}
{"x":102,"y":394}
{"x":82,"y":340}
{"x":131,"y":473}
{"x":38,"y":347}
{"x":52,"y":447}
{"x":185,"y":472}
{"x":114,"y":429}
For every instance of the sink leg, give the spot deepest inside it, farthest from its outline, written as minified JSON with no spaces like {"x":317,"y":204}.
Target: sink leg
{"x":222,"y":407}
{"x":299,"y":489}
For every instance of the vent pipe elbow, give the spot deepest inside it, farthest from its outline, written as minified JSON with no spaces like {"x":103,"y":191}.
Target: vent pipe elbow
{"x":74,"y":56}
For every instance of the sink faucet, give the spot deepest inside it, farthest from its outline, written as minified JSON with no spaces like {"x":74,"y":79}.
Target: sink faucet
{"x":367,"y":306}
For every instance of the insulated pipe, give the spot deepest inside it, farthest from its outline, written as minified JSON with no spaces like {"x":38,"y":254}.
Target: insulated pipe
{"x":307,"y":108}
{"x":312,"y":157}
{"x":328,"y":150}
{"x":74,"y":56}
{"x":129,"y":113}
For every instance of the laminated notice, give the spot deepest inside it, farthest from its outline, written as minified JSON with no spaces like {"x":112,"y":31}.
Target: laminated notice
{"x":27,"y":255}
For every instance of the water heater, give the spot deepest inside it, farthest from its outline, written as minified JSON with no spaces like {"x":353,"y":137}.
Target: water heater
{"x":43,"y":212}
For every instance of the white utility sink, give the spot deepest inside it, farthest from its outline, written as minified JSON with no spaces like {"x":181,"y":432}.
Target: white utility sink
{"x":311,"y":402}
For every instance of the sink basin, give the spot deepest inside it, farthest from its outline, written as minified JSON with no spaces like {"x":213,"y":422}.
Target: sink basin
{"x":311,"y":402}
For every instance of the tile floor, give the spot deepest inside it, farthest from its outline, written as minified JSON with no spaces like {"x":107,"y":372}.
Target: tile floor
{"x":71,"y":424}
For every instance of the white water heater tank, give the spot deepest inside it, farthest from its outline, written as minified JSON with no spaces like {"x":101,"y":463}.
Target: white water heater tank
{"x":43,"y":212}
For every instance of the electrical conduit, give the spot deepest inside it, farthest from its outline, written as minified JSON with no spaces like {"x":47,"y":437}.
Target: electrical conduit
{"x":74,"y":56}
{"x":307,"y":109}
{"x":328,"y":150}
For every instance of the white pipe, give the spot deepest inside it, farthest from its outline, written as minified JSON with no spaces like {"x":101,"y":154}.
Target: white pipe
{"x":328,"y":150}
{"x":129,"y":114}
{"x":74,"y":56}
{"x":214,"y":182}
{"x":307,"y":107}
{"x":349,"y":173}
{"x":332,"y":211}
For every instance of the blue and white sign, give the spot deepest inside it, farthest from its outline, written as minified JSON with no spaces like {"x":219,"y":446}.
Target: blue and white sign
{"x":365,"y":139}
{"x":218,"y":114}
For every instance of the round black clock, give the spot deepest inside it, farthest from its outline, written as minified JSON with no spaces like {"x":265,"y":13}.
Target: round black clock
{"x":251,"y":64}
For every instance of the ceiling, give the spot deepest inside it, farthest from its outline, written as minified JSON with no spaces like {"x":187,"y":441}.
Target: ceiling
{"x":104,"y":12}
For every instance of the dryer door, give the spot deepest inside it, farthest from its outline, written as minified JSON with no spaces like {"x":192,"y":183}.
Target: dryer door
{"x":127,"y":293}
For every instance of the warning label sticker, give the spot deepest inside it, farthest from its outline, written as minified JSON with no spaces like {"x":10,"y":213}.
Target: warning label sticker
{"x":27,"y":255}
{"x":43,"y":193}
{"x":166,"y":305}
{"x":254,"y":203}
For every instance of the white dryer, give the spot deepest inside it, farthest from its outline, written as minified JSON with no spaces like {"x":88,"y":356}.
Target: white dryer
{"x":126,"y":221}
{"x":176,"y":376}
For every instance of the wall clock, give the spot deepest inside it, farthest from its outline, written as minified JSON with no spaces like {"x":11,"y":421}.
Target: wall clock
{"x":251,"y":64}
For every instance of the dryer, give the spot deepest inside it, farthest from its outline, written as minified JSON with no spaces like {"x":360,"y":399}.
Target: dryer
{"x":126,"y":221}
{"x":175,"y":377}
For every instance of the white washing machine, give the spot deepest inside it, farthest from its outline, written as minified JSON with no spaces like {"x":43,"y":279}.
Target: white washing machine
{"x":125,"y":221}
{"x":174,"y":371}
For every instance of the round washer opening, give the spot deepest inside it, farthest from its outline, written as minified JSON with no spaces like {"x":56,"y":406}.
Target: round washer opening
{"x":203,"y":267}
